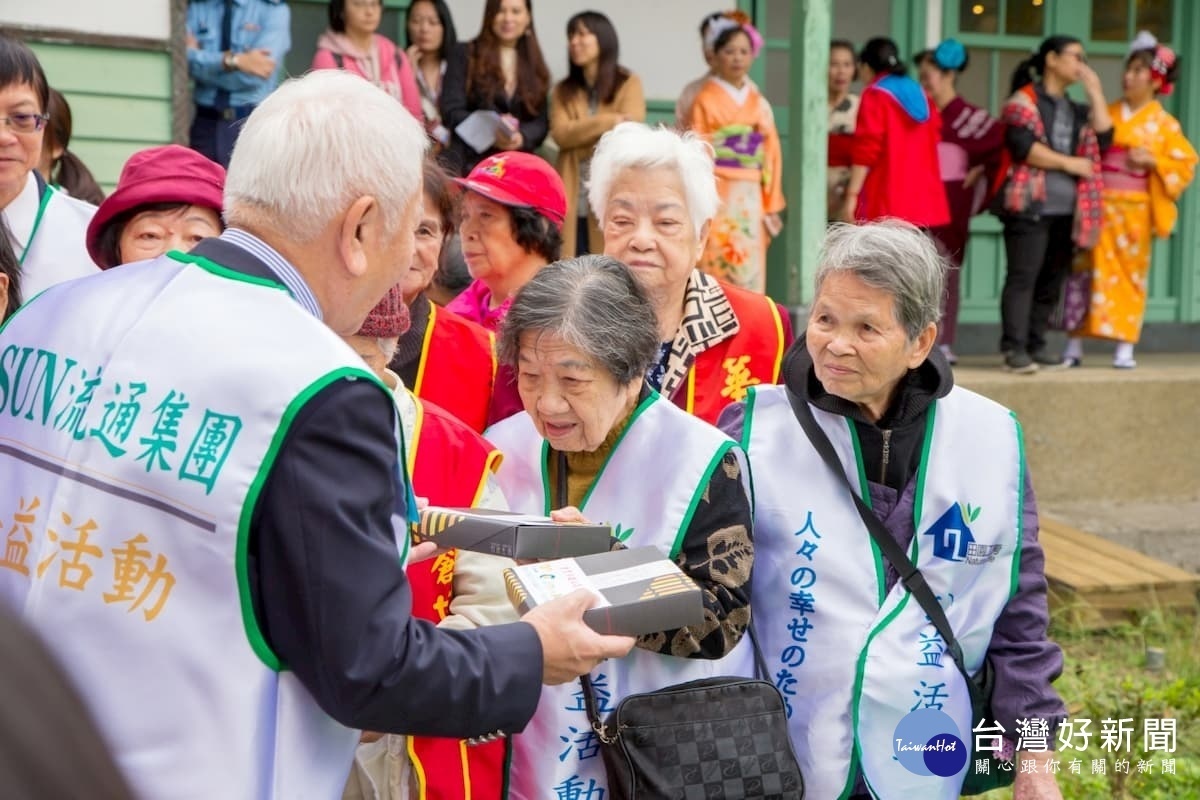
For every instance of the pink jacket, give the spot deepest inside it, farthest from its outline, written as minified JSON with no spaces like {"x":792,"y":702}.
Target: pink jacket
{"x":395,"y":72}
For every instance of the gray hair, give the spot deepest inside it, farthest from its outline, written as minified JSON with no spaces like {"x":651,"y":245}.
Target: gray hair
{"x":315,"y":145}
{"x":596,"y":305}
{"x":894,"y":256}
{"x":634,"y":145}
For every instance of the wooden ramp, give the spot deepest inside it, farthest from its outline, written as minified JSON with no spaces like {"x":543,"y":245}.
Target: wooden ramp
{"x":1097,"y":583}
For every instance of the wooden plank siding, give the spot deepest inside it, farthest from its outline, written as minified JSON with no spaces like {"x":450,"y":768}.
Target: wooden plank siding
{"x":120,"y":101}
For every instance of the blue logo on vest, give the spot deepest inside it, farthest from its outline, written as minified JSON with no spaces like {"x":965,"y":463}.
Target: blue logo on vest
{"x":953,"y":540}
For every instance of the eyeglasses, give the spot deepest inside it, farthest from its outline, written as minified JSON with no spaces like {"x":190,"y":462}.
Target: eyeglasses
{"x":25,"y":123}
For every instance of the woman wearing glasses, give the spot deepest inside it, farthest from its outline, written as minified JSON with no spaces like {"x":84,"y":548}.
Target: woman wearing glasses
{"x":1050,"y":199}
{"x":46,"y":227}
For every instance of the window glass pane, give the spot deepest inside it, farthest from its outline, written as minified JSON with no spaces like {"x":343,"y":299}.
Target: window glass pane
{"x":1009,"y":59}
{"x":1110,"y":20}
{"x":975,"y":82}
{"x":859,"y":21}
{"x":776,"y":77}
{"x":1155,"y":16}
{"x":779,"y":19}
{"x":1025,"y":17}
{"x":979,"y":16}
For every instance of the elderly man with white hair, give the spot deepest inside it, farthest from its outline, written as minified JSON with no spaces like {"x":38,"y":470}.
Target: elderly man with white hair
{"x":655,"y":195}
{"x":210,"y":498}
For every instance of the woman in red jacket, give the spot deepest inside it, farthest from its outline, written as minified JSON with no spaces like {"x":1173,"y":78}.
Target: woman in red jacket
{"x":894,"y":162}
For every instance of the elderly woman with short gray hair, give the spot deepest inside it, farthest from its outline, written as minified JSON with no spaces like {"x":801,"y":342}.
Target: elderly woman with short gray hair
{"x":943,"y":470}
{"x":595,"y":442}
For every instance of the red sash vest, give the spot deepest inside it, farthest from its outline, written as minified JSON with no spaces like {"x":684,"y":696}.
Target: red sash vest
{"x":457,"y":368}
{"x":450,"y":465}
{"x":721,"y":374}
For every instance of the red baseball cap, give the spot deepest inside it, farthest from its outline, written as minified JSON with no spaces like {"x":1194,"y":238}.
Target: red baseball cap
{"x":168,"y":174}
{"x":520,"y":179}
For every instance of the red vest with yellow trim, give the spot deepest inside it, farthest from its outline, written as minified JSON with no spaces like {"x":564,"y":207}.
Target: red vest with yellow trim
{"x":450,"y":465}
{"x":457,"y":367}
{"x":721,"y":374}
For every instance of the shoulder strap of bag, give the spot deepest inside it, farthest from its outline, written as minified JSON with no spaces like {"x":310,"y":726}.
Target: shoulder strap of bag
{"x":337,"y":60}
{"x":910,"y":577}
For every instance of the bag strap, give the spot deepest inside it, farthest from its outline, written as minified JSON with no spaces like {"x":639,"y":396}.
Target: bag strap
{"x":910,"y":577}
{"x":585,"y":681}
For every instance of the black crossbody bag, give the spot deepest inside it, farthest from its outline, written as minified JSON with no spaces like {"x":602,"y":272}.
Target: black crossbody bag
{"x":979,"y":686}
{"x":721,"y":737}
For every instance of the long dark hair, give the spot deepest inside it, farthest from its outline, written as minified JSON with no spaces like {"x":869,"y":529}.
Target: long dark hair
{"x":1034,"y":67}
{"x":485,"y":76}
{"x":882,"y":56}
{"x":449,"y":35}
{"x":18,"y":64}
{"x":610,"y":75}
{"x":67,"y":171}
{"x":438,"y":187}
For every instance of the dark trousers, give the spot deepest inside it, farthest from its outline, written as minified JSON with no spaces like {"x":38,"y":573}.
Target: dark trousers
{"x":582,"y":246}
{"x":214,"y":138}
{"x":1039,"y":255}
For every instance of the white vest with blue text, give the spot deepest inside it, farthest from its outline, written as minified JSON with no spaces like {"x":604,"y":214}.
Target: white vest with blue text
{"x":141,"y":412}
{"x":851,"y":658}
{"x":648,"y":491}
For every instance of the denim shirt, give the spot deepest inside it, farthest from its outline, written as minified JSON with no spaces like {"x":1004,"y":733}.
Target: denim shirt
{"x":257,"y":25}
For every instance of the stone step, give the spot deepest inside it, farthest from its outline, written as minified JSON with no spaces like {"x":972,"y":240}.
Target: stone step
{"x":1101,"y":434}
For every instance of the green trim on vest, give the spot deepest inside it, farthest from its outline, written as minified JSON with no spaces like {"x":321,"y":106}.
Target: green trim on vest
{"x":865,"y":493}
{"x":747,"y":421}
{"x":914,"y":552}
{"x":650,"y":400}
{"x":254,"y":634}
{"x":224,"y":272}
{"x":1016,"y":562}
{"x":544,"y":461}
{"x":922,"y":470}
{"x":859,"y":670}
{"x":696,"y":495}
{"x":25,"y":304}
{"x":864,"y":487}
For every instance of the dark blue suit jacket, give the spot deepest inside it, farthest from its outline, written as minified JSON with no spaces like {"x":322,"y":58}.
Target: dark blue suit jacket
{"x":330,"y":595}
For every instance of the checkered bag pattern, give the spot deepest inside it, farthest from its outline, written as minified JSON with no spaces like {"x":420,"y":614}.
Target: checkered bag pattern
{"x":716,"y":738}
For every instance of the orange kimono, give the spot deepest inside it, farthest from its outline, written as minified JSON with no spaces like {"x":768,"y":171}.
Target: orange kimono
{"x":749,"y":170}
{"x":1137,"y":206}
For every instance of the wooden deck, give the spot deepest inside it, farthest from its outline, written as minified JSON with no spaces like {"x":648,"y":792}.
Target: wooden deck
{"x":1097,"y":583}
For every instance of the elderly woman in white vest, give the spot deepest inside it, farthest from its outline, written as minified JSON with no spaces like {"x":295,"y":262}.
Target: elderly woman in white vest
{"x":595,"y":442}
{"x":943,"y":470}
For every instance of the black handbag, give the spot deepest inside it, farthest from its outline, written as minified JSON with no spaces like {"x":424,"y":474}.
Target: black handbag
{"x":979,"y":686}
{"x":711,"y":738}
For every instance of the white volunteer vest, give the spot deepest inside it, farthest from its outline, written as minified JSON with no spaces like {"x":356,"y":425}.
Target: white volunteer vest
{"x":650,"y":487}
{"x":850,"y":659}
{"x":49,"y":237}
{"x":134,"y":466}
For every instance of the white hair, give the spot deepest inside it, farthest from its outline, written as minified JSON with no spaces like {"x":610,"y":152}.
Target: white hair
{"x":634,"y":145}
{"x":315,"y":145}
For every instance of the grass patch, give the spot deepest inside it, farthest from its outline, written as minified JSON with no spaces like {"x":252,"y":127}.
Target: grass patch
{"x":1105,"y":678}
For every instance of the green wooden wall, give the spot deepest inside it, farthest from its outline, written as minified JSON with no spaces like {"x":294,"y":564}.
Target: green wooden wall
{"x":120,"y":101}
